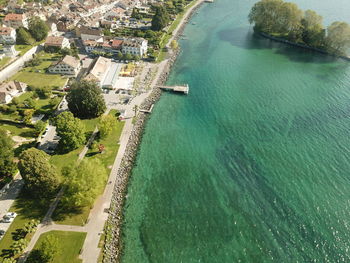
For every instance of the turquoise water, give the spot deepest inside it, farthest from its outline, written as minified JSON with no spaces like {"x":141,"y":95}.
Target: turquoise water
{"x":253,"y":165}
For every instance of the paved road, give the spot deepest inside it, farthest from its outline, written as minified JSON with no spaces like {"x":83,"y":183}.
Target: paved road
{"x":8,"y":197}
{"x":48,"y":142}
{"x":13,"y":68}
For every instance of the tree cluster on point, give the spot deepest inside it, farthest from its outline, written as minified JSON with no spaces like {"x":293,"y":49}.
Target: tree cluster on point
{"x":285,"y":20}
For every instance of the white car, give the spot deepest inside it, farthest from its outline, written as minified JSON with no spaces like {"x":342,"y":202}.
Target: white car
{"x":11,"y":214}
{"x":6,"y":219}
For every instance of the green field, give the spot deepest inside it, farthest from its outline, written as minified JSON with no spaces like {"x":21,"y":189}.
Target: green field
{"x":22,"y":49}
{"x":18,"y":130}
{"x":4,"y":61}
{"x":37,"y":77}
{"x":70,"y":245}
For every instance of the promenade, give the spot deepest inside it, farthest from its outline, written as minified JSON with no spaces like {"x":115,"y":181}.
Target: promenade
{"x":99,"y":213}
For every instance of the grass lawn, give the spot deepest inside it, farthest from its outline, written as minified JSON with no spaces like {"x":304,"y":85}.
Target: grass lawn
{"x":111,"y":143}
{"x":68,"y":159}
{"x":70,"y":245}
{"x":22,"y":49}
{"x":37,"y":77}
{"x":27,"y":209}
{"x":39,"y":80}
{"x":4,"y":61}
{"x":18,"y":130}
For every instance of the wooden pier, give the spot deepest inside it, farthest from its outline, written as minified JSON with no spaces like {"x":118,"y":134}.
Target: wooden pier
{"x":179,"y":89}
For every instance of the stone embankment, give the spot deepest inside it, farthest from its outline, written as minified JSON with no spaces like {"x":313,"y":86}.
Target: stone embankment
{"x":113,"y":244}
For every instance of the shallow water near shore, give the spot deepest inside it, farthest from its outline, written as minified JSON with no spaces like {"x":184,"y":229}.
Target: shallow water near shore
{"x":253,"y":165}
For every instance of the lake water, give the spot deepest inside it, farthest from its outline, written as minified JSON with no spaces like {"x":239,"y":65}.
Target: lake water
{"x":254,"y":164}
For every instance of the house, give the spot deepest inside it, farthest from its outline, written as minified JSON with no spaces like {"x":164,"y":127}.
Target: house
{"x":57,"y":42}
{"x":7,"y":35}
{"x":15,"y":20}
{"x":99,"y":70}
{"x":67,"y":66}
{"x":11,"y":89}
{"x":135,"y":46}
{"x":89,"y":33}
{"x":9,"y":51}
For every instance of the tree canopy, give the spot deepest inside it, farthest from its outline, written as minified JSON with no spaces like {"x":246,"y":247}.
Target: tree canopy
{"x":71,"y":130}
{"x":338,"y":37}
{"x":105,"y":125}
{"x":47,"y":251}
{"x":160,"y":18}
{"x":23,"y":37}
{"x":7,"y":165}
{"x":38,"y":28}
{"x":40,"y":176}
{"x":286,"y":20}
{"x":84,"y":182}
{"x":85,"y":100}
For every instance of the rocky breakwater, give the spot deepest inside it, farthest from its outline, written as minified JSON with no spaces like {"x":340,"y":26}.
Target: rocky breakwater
{"x":113,"y":245}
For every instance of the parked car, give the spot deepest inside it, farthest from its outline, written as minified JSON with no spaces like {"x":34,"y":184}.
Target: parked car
{"x":11,"y":214}
{"x":6,"y":219}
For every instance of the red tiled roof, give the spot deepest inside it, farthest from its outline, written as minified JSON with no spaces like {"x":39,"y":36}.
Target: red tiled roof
{"x":5,"y":30}
{"x":13,"y":17}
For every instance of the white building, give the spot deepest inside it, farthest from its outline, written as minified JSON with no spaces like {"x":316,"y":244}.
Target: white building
{"x":11,"y":89}
{"x":15,"y":20}
{"x":99,"y":71}
{"x":67,"y":66}
{"x":135,"y":46}
{"x":7,"y":35}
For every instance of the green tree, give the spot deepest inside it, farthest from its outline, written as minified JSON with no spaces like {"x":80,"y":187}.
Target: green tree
{"x":27,"y":116}
{"x":38,"y":28}
{"x":160,"y":18}
{"x":30,"y":226}
{"x":40,"y":176}
{"x":338,"y":38}
{"x":136,"y":58}
{"x":71,"y":130}
{"x":54,"y":102}
{"x":23,"y":37}
{"x":7,"y":165}
{"x":9,"y":260}
{"x":30,"y":103}
{"x":277,"y":17}
{"x":49,"y":248}
{"x":313,"y":30}
{"x":105,"y":125}
{"x":127,"y":56}
{"x":174,"y":45}
{"x":36,"y":256}
{"x":19,"y":246}
{"x":84,"y":182}
{"x":85,"y":100}
{"x":119,"y":55}
{"x":264,"y":14}
{"x":39,"y":127}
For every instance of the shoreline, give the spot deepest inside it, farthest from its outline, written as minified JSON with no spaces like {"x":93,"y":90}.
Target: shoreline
{"x":113,"y":245}
{"x":281,"y":40}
